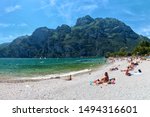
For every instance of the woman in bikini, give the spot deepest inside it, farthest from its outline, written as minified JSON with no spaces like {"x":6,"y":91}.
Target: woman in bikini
{"x":105,"y":79}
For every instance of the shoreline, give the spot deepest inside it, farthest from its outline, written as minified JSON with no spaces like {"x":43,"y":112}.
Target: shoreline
{"x":45,"y":77}
{"x":64,"y":75}
{"x":42,"y":75}
{"x":134,"y":87}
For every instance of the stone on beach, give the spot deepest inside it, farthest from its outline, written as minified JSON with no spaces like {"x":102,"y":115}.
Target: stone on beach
{"x":135,"y":87}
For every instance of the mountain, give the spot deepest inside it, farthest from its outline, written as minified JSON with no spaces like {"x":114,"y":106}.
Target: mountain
{"x":87,"y":38}
{"x":3,"y":45}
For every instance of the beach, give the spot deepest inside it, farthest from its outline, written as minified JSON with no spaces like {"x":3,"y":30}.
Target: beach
{"x":134,"y":87}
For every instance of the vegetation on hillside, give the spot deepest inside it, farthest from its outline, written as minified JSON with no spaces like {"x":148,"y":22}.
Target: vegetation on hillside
{"x":142,"y":49}
{"x":89,"y":37}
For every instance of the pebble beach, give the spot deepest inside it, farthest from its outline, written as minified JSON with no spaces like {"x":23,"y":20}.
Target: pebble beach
{"x":134,"y":87}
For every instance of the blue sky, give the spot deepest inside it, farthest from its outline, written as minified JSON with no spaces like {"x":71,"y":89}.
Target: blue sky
{"x":21,"y":17}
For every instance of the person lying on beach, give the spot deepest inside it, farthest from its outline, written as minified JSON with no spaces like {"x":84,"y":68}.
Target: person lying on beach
{"x":136,"y":63}
{"x":131,"y":66}
{"x":112,"y":81}
{"x":105,"y":79}
{"x":127,"y":71}
{"x":113,"y":69}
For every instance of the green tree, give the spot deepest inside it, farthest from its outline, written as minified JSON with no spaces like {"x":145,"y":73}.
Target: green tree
{"x":143,"y":48}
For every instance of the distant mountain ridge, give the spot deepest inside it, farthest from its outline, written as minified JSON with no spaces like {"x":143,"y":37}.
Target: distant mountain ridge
{"x":88,"y":38}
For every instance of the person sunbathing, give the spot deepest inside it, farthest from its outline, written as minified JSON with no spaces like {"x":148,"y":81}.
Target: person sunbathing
{"x":113,"y":69}
{"x":105,"y":79}
{"x":127,"y":71}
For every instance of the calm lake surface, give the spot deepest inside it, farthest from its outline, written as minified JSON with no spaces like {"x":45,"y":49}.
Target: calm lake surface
{"x":28,"y":67}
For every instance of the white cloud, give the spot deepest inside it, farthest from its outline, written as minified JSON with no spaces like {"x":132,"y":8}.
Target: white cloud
{"x":52,"y":2}
{"x":46,"y":4}
{"x":3,"y":25}
{"x":22,"y":25}
{"x":4,"y":39}
{"x":145,"y":31}
{"x":101,"y":3}
{"x":67,"y":8}
{"x":10,"y":37}
{"x":128,"y":12}
{"x":87,"y":7}
{"x":12,"y":8}
{"x":7,"y":25}
{"x":66,"y":11}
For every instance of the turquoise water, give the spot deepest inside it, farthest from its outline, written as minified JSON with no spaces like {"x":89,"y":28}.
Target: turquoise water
{"x":25,"y":67}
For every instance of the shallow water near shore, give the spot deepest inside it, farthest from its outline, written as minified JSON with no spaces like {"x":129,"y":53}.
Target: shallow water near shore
{"x":32,"y":67}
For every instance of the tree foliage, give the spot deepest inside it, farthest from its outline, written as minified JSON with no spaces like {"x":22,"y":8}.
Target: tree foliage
{"x":89,"y":37}
{"x":143,"y":48}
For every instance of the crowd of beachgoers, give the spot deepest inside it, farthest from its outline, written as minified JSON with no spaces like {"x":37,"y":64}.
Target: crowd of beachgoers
{"x":124,"y":78}
{"x":132,"y":63}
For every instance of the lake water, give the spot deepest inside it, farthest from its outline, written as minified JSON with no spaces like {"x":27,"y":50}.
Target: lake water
{"x":28,"y":67}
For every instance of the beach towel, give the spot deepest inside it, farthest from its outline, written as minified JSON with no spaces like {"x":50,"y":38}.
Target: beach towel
{"x":136,"y":73}
{"x":91,"y":82}
{"x":111,"y":81}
